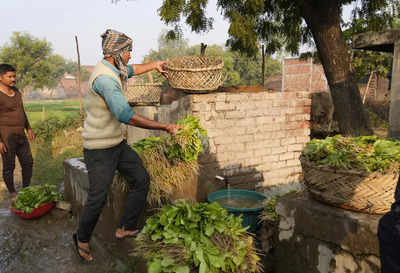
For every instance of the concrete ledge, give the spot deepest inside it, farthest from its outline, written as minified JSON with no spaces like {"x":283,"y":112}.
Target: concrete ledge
{"x":314,"y":237}
{"x":76,"y":185}
{"x":377,"y":41}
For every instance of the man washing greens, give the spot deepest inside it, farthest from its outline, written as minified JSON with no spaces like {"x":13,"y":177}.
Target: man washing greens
{"x":105,"y":150}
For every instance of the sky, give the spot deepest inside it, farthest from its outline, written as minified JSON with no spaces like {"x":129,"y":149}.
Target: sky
{"x":58,"y":21}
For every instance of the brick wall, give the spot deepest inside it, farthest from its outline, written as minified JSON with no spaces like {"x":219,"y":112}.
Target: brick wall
{"x":301,"y":74}
{"x":255,"y":139}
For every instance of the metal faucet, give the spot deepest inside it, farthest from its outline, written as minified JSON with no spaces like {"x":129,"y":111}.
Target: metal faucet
{"x":222,"y":179}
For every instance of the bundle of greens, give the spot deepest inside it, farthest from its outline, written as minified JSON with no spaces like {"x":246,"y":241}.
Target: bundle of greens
{"x":33,"y":196}
{"x":200,"y":238}
{"x":185,"y":146}
{"x":171,"y":161}
{"x":367,"y":153}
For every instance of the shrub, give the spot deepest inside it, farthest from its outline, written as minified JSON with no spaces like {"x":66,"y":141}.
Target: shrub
{"x":53,"y":125}
{"x":50,"y":153}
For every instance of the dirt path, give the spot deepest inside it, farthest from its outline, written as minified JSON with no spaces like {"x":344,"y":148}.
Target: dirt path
{"x":45,"y":245}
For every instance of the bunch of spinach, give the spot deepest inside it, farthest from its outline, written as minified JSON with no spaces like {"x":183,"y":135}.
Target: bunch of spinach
{"x":368,"y":153}
{"x":187,"y":143}
{"x":148,"y":143}
{"x":33,"y":196}
{"x":185,"y":146}
{"x":204,"y":237}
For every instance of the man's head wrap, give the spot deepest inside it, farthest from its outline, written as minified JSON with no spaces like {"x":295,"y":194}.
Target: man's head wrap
{"x":114,"y":44}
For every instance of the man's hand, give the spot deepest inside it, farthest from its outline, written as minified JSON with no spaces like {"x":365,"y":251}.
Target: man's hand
{"x":3,"y":148}
{"x":160,"y":68}
{"x":31,"y":134}
{"x":173,"y":128}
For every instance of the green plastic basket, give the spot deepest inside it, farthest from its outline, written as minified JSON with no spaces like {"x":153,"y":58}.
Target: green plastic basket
{"x":250,"y":216}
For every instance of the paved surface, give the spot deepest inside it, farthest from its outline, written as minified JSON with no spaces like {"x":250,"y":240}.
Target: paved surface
{"x":45,"y":245}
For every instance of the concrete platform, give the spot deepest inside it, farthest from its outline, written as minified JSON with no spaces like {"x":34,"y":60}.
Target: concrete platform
{"x":318,"y":238}
{"x":76,"y":185}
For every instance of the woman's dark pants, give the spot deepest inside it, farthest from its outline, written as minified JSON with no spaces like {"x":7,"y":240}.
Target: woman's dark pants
{"x":101,"y":165}
{"x":18,"y":146}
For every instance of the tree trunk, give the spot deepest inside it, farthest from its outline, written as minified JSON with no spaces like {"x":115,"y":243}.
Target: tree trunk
{"x":323,"y":18}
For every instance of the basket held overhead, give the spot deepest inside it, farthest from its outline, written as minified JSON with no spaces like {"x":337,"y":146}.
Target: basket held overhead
{"x":143,"y":93}
{"x":194,"y":73}
{"x":360,"y":191}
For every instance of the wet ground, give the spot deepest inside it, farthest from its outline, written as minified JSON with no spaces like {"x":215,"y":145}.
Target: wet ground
{"x":45,"y":245}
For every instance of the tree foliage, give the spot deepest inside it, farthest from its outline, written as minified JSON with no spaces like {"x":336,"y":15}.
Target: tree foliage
{"x":276,"y":23}
{"x":29,"y":56}
{"x":71,"y":67}
{"x":238,"y":68}
{"x":288,"y":24}
{"x":35,"y":62}
{"x":366,"y":61}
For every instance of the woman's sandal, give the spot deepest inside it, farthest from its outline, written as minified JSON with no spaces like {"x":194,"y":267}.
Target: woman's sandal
{"x":80,"y":249}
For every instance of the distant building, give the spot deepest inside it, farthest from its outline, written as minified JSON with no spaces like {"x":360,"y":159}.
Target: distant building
{"x":89,"y":68}
{"x":66,"y":88}
{"x":70,"y":86}
{"x":274,"y":83}
{"x":303,"y":75}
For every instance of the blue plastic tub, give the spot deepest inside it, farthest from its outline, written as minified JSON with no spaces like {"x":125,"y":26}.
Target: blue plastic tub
{"x":250,"y":216}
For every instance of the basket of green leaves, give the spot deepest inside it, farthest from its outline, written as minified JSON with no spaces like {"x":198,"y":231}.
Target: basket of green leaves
{"x":201,"y":237}
{"x":35,"y":201}
{"x":358,"y":174}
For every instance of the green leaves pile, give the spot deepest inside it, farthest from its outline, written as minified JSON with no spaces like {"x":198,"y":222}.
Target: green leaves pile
{"x":368,"y":153}
{"x":171,"y":161}
{"x":187,"y":144}
{"x":33,"y":196}
{"x":184,"y":147}
{"x":202,"y":237}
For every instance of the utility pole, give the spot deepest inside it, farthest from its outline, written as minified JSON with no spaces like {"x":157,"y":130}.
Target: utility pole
{"x":263,"y":65}
{"x":79,"y":79}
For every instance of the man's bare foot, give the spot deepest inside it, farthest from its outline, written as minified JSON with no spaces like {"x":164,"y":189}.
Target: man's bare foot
{"x":121,"y":233}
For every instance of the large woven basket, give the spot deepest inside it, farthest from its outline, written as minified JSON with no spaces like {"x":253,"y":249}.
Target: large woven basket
{"x":143,"y":93}
{"x":195,"y":74}
{"x":371,"y":193}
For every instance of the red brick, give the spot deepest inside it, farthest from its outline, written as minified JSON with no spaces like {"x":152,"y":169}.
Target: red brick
{"x":289,"y":95}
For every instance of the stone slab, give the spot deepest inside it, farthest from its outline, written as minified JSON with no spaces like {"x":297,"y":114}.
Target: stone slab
{"x":377,"y":41}
{"x":318,"y":238}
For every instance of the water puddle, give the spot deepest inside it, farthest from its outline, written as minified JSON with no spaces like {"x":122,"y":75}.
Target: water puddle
{"x":5,"y":212}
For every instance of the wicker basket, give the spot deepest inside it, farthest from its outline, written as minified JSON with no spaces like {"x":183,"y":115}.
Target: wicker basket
{"x":144,"y":93}
{"x":195,"y":74}
{"x":371,"y":193}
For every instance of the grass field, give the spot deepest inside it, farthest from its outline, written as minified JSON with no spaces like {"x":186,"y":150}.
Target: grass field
{"x":39,"y":110}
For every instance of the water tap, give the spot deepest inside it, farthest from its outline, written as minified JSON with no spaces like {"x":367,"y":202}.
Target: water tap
{"x":223,"y":179}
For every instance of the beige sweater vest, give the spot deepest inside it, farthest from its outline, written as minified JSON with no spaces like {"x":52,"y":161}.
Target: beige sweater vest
{"x":101,"y":129}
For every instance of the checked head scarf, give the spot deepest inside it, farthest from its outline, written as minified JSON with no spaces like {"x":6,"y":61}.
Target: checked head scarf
{"x":114,"y":44}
